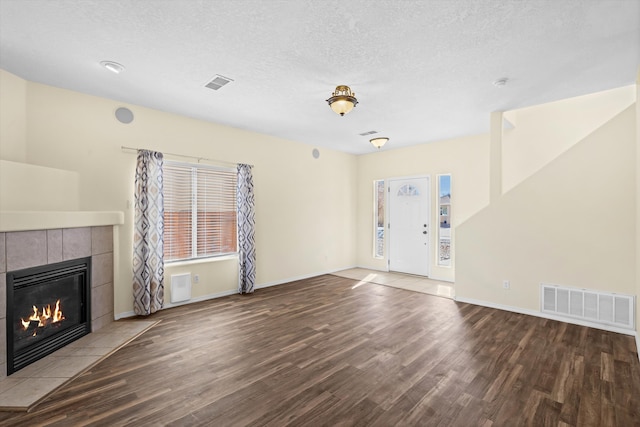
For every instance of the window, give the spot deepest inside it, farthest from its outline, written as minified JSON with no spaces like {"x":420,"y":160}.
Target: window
{"x":378,"y":209}
{"x":199,"y":211}
{"x":444,"y":229}
{"x":408,"y":190}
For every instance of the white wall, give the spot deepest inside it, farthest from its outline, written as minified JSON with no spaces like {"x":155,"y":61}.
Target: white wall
{"x":305,"y":208}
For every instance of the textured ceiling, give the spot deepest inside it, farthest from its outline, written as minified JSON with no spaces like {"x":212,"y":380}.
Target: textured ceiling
{"x":421,"y":70}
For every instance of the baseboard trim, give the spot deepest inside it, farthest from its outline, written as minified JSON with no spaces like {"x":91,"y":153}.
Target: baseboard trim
{"x":296,"y":278}
{"x":364,"y":267}
{"x":547,"y":316}
{"x":234,"y":291}
{"x":441,"y":279}
{"x":202,"y":298}
{"x":124,"y":315}
{"x":177,"y":304}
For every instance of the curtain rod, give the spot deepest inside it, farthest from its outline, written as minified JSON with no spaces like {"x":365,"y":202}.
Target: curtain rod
{"x":199,"y":159}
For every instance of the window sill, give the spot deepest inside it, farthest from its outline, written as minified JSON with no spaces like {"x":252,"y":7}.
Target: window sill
{"x":202,"y":260}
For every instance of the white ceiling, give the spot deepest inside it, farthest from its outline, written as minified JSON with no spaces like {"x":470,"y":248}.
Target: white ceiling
{"x":421,"y":70}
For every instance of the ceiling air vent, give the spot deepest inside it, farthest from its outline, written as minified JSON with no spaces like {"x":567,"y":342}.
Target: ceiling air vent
{"x":217,"y":82}
{"x":371,"y":132}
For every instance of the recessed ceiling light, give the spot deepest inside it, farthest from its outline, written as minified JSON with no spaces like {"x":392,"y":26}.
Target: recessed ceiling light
{"x":114,"y":67}
{"x":501,"y":82}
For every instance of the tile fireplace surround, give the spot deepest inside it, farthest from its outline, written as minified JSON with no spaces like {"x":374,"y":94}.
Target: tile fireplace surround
{"x":24,"y":249}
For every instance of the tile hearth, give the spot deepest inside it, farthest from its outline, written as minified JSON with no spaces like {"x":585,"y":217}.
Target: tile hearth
{"x":25,"y":388}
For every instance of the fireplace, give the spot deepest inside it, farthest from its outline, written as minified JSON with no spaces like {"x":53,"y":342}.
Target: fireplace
{"x":48,"y":307}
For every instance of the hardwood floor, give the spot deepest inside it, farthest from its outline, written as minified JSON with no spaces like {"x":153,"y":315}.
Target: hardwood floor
{"x":323,"y":352}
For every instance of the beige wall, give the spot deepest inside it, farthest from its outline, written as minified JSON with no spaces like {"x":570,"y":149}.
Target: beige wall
{"x":305,"y":208}
{"x":316,"y":216}
{"x":569,"y":223}
{"x":638,"y":213}
{"x":466,"y":159}
{"x":543,"y":132}
{"x":48,"y":188}
{"x":13,"y":122}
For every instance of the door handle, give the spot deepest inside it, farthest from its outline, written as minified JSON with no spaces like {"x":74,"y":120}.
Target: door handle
{"x":424,"y":232}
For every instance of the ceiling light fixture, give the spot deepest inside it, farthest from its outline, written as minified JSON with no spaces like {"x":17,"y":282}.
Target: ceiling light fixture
{"x":114,"y":67}
{"x":343,"y":100}
{"x":378,"y":142}
{"x":502,"y":82}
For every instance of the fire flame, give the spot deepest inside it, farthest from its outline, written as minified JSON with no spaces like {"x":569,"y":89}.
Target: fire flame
{"x":44,"y":317}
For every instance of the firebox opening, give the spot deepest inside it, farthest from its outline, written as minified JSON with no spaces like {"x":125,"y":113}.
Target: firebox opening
{"x":48,"y":307}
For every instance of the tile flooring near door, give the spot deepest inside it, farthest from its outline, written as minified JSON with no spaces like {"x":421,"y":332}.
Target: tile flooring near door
{"x":400,"y":280}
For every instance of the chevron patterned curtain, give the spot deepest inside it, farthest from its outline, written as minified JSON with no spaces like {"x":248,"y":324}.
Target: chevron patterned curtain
{"x":246,"y":230}
{"x":148,"y":244}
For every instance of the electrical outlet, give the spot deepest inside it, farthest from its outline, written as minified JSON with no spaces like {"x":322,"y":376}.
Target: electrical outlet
{"x":506,"y":284}
{"x":196,"y":278}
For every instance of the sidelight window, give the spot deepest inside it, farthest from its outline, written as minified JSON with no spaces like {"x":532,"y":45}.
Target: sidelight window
{"x":378,"y":218}
{"x":444,"y":219}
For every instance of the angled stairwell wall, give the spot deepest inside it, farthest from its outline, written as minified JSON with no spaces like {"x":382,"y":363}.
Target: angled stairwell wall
{"x":572,"y":222}
{"x":543,"y":132}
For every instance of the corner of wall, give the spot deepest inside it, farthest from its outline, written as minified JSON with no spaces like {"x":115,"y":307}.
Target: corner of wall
{"x":637,"y":196}
{"x":13,"y":117}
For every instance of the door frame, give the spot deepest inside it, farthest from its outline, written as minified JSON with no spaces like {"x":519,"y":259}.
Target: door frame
{"x":387,"y":210}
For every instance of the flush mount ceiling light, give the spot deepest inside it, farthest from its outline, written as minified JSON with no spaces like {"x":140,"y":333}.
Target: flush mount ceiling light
{"x":343,"y":100}
{"x":502,"y":82}
{"x":378,"y":142}
{"x":114,"y":67}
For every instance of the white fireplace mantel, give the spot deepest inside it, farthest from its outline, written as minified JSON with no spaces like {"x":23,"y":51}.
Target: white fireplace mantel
{"x":47,"y":220}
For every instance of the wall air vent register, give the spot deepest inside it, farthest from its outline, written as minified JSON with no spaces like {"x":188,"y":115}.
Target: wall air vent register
{"x":591,"y":306}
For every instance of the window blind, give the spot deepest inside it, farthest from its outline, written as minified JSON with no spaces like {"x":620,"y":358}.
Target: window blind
{"x":200,"y":211}
{"x":216,"y":204}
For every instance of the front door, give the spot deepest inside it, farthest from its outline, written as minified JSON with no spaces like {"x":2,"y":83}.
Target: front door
{"x":409,"y":225}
